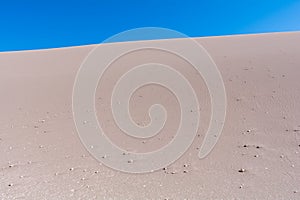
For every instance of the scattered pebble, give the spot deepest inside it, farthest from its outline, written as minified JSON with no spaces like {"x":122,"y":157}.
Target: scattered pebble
{"x":42,"y":121}
{"x":10,"y":184}
{"x":130,"y":161}
{"x":71,"y":169}
{"x":185,"y":171}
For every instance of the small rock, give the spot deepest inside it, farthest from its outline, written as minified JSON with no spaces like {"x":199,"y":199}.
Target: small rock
{"x":242,"y":170}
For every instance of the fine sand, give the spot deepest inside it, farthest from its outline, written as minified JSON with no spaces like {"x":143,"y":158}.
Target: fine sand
{"x":256,"y":157}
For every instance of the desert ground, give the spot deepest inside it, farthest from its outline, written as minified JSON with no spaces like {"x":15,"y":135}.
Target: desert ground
{"x":256,"y":157}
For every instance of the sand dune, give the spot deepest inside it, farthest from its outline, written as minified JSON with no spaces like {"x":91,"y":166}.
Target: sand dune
{"x":256,"y":157}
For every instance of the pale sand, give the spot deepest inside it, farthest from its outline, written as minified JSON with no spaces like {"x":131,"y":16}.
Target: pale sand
{"x":46,"y":160}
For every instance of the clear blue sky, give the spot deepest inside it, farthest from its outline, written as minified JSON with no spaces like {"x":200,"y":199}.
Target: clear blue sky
{"x":36,"y":24}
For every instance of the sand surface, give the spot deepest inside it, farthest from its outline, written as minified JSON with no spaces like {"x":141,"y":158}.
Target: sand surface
{"x":43,"y":158}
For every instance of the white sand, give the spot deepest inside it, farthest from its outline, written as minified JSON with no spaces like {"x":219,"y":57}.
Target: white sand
{"x":46,"y":160}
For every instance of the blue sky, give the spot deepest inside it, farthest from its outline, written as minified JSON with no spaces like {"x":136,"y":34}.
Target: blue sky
{"x":41,"y":24}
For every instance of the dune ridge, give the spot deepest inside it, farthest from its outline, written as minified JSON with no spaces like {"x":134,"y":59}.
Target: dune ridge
{"x":257,"y":156}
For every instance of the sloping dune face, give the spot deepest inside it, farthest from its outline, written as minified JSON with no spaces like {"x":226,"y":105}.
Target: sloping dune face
{"x":256,"y":157}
